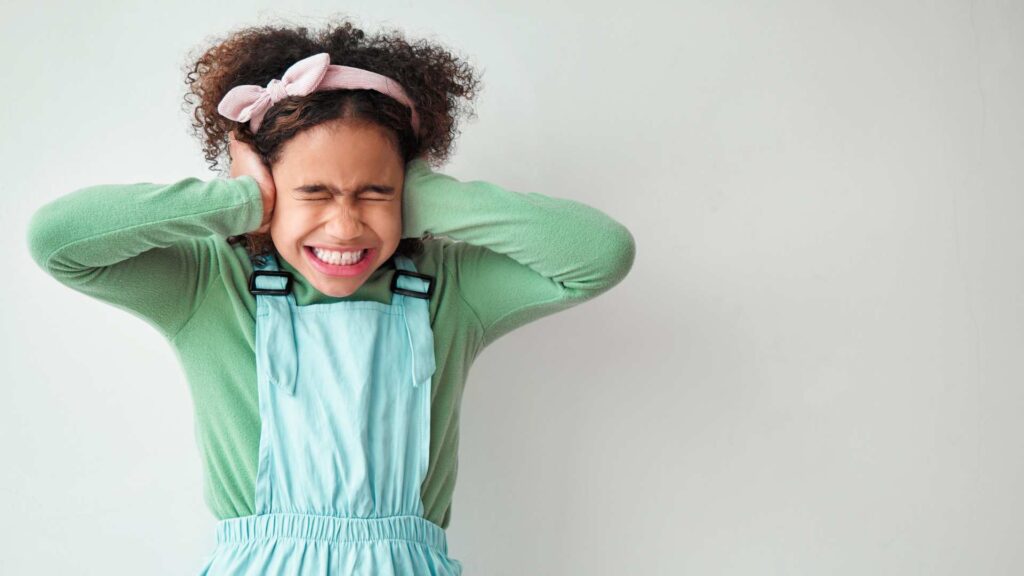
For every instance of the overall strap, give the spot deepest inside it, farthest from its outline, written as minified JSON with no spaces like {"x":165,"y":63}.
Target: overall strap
{"x":274,"y":319}
{"x":408,"y":282}
{"x":412,"y":292}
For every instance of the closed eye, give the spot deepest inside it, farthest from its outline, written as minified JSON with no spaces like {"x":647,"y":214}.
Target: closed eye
{"x":382,"y":192}
{"x":322,"y":198}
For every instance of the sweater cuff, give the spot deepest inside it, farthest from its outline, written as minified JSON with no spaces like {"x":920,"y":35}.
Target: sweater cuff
{"x":251,"y":212}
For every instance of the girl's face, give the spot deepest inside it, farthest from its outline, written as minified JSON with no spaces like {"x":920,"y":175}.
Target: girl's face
{"x":339,"y":188}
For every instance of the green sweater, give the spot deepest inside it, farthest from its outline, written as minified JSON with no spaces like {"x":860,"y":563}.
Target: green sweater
{"x":500,"y":259}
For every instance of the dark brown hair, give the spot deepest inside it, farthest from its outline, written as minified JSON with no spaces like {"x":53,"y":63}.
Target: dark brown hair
{"x":441,"y":85}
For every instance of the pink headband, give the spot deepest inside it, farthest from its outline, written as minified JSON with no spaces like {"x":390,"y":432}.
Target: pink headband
{"x":250,"y":102}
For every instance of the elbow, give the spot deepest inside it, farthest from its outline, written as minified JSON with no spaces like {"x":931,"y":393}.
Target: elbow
{"x":48,"y":230}
{"x":620,"y":254}
{"x":612,"y":253}
{"x":40,"y":236}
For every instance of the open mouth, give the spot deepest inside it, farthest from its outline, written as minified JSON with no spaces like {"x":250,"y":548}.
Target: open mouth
{"x":332,"y":264}
{"x":338,"y":258}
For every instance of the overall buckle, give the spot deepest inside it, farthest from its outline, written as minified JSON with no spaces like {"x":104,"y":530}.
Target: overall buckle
{"x":413,"y":293}
{"x":271,"y":291}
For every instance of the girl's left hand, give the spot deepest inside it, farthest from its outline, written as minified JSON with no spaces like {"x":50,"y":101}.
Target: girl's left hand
{"x":417,"y":172}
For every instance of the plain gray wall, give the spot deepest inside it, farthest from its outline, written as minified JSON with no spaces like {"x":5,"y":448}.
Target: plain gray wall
{"x":813,"y":368}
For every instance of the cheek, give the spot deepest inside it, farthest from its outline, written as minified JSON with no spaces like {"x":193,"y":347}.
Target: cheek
{"x":396,"y":217}
{"x":291,"y":220}
{"x":389,"y":212}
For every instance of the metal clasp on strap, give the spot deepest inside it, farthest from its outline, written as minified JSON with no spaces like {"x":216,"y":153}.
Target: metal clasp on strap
{"x":272,"y":291}
{"x":425,"y":295}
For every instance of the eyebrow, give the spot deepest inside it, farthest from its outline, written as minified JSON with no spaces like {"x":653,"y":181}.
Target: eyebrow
{"x":320,"y":187}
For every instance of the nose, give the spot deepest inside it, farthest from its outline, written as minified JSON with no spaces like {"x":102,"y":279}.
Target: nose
{"x":344,"y":224}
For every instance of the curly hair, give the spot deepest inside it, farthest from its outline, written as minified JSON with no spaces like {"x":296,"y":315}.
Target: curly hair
{"x":440,"y":84}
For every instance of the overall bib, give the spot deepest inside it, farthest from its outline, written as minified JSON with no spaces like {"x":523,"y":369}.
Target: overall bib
{"x":344,"y":400}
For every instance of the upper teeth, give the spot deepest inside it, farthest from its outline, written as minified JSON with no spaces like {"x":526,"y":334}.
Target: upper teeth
{"x":339,"y":257}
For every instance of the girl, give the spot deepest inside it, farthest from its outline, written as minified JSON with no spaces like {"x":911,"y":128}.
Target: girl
{"x":327,"y":300}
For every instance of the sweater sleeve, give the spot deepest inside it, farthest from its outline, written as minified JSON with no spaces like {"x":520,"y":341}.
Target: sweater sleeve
{"x":143,"y":247}
{"x":519,"y":256}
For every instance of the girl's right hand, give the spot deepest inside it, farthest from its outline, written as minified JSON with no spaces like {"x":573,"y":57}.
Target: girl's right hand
{"x":246,"y":162}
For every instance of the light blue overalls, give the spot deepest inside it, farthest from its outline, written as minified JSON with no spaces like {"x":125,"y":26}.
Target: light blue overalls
{"x":344,"y":399}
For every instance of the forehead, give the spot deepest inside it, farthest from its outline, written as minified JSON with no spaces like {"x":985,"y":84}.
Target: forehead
{"x":346,"y":154}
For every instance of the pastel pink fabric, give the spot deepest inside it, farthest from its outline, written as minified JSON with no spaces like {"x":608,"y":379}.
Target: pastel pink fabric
{"x":249,"y":102}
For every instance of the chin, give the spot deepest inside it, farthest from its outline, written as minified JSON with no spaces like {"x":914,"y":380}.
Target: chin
{"x":341,"y":293}
{"x":339,"y":288}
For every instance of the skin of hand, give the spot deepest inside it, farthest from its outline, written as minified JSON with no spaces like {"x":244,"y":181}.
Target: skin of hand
{"x":245,"y":161}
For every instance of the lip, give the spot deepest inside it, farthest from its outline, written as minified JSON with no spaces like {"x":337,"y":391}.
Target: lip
{"x":340,"y":270}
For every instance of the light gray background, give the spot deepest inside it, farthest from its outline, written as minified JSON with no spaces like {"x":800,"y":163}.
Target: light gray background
{"x":813,"y":368}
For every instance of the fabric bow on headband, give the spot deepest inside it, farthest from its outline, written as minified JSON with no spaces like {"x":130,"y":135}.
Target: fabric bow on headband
{"x":250,"y":102}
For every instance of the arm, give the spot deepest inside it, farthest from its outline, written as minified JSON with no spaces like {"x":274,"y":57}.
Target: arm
{"x":523,"y":256}
{"x":143,"y":247}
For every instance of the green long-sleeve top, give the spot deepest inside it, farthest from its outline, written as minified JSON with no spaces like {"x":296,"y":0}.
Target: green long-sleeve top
{"x":500,"y":259}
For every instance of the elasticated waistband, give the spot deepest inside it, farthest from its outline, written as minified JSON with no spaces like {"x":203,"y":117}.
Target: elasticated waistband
{"x":332,"y":529}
